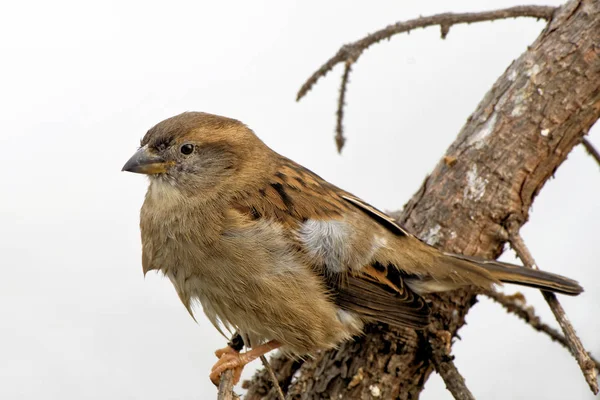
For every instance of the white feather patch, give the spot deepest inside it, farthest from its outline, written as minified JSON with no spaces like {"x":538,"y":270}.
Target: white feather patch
{"x":327,"y":242}
{"x":350,"y":320}
{"x":423,"y":286}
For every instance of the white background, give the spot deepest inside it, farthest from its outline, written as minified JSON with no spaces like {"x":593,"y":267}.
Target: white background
{"x":80,"y":84}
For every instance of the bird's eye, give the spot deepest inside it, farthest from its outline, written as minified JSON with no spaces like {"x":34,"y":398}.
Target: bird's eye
{"x":187,"y":149}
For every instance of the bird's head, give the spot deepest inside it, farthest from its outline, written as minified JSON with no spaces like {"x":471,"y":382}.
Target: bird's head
{"x":194,"y":152}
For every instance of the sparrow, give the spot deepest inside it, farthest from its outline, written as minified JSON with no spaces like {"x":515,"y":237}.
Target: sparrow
{"x":278,"y":255}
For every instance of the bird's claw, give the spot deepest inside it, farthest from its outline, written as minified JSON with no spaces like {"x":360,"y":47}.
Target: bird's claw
{"x":225,"y":350}
{"x":228,"y":359}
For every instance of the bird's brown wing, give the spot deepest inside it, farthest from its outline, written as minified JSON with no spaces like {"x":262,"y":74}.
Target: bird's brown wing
{"x":380,"y":294}
{"x":377,"y":215}
{"x":293,"y":195}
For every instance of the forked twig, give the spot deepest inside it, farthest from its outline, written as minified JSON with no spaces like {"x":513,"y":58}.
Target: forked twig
{"x":353,"y":51}
{"x":587,"y":365}
{"x":350,"y":53}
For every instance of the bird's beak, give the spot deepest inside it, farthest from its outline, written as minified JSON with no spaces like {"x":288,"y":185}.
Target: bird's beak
{"x":146,"y":162}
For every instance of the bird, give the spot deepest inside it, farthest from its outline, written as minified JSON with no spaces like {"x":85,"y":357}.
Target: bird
{"x":278,"y":256}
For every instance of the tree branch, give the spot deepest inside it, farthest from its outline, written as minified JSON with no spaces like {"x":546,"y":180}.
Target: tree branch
{"x":339,"y":129}
{"x":586,"y":364}
{"x":516,"y":304}
{"x":350,"y":53}
{"x":354,"y":50}
{"x":274,"y":380}
{"x":589,"y":147}
{"x":260,"y":386}
{"x":444,"y":365}
{"x":226,"y":384}
{"x":520,"y":133}
{"x":226,"y":387}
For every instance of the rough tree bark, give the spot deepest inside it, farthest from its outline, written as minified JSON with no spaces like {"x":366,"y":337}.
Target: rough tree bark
{"x":519,"y":134}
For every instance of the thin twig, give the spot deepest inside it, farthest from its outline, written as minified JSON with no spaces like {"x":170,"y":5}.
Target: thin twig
{"x":267,"y":366}
{"x":444,"y":365}
{"x":581,"y":355}
{"x":350,"y":53}
{"x":517,"y":305}
{"x":226,"y":387}
{"x":591,"y":150}
{"x":339,"y":128}
{"x":446,"y":20}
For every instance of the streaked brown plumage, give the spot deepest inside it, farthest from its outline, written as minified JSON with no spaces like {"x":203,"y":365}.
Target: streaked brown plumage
{"x":278,"y":254}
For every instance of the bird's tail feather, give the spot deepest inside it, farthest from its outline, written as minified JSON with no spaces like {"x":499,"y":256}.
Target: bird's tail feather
{"x":509,"y":273}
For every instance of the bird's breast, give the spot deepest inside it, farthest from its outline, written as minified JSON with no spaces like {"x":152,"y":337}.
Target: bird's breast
{"x":247,"y":277}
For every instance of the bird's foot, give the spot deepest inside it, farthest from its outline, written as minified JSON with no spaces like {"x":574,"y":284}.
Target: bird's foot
{"x":228,"y":360}
{"x":225,"y":350}
{"x":236,"y":361}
